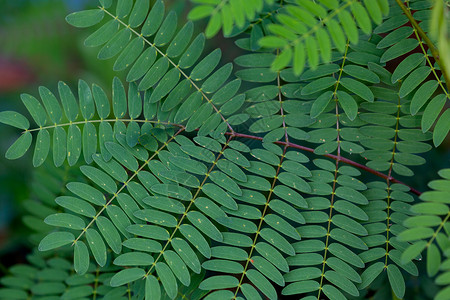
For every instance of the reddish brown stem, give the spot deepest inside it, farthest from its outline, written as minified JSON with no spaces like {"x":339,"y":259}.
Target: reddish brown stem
{"x":335,"y":157}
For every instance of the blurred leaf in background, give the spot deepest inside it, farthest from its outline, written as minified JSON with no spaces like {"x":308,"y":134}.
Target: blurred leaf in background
{"x":38,"y":47}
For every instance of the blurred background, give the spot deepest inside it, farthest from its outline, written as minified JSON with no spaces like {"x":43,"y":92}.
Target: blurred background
{"x":37,"y":47}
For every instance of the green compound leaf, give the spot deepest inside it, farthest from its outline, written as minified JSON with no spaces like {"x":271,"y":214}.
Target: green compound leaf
{"x":422,"y":95}
{"x":87,"y":192}
{"x":100,"y":178}
{"x":115,"y":45}
{"x":342,"y":282}
{"x":152,"y":288}
{"x":219,"y":190}
{"x":59,"y":146}
{"x":268,"y":270}
{"x":396,"y":280}
{"x":196,"y":239}
{"x":414,"y":80}
{"x":318,"y":85}
{"x":19,"y":147}
{"x":65,"y":220}
{"x":399,"y":49}
{"x":56,"y":240}
{"x":320,"y":104}
{"x":134,"y":259}
{"x":122,"y":155}
{"x":432,"y":112}
{"x":14,"y":119}
{"x":129,"y":54}
{"x":407,"y":65}
{"x":262,"y":283}
{"x":41,"y":148}
{"x":126,"y":276}
{"x":204,"y":225}
{"x":110,"y":233}
{"x":187,"y":254}
{"x":358,"y":88}
{"x":181,"y":40}
{"x":219,"y":282}
{"x":139,"y":12}
{"x":85,"y":18}
{"x":102,"y":35}
{"x":370,"y":274}
{"x":177,"y":266}
{"x":81,"y":258}
{"x":348,"y":104}
{"x":96,"y":245}
{"x":433,"y":260}
{"x":442,"y":128}
{"x":361,"y":73}
{"x":167,"y":278}
{"x":73,"y":144}
{"x":68,"y":101}
{"x":35,"y":109}
{"x":119,"y":98}
{"x":206,"y":66}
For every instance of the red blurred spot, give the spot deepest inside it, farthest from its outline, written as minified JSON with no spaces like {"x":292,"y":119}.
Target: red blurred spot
{"x":14,"y":74}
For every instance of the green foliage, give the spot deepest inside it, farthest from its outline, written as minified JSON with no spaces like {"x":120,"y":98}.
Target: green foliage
{"x":229,"y":15}
{"x":428,"y":231}
{"x":47,"y":277}
{"x":193,"y":187}
{"x":432,"y":93}
{"x":306,"y":28}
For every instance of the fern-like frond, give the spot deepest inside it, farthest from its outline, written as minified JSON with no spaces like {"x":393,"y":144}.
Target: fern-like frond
{"x":308,"y":28}
{"x":356,"y":84}
{"x":428,"y":230}
{"x":69,"y":134}
{"x":104,"y":177}
{"x":59,"y":129}
{"x":153,"y":71}
{"x":194,"y":190}
{"x":228,"y":15}
{"x":47,"y":277}
{"x":439,"y":32}
{"x":50,"y":277}
{"x":414,"y":71}
{"x":47,"y":183}
{"x":427,"y":89}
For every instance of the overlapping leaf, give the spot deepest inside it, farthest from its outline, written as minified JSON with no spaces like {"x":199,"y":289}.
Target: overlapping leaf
{"x":427,"y":230}
{"x":307,"y":28}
